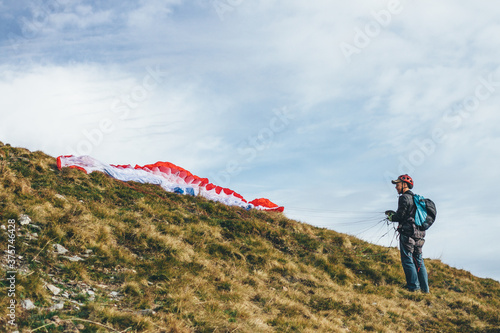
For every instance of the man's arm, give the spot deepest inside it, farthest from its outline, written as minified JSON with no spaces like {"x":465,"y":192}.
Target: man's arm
{"x":404,"y":206}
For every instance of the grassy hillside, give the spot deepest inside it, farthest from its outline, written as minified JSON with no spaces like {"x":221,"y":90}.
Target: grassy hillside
{"x":143,"y":260}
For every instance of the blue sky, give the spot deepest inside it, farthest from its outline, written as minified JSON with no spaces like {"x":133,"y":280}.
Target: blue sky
{"x":314,"y":105}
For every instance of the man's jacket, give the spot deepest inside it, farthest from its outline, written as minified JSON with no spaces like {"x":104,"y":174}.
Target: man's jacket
{"x":405,"y":215}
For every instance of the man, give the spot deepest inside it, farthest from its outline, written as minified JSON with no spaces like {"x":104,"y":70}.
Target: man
{"x":411,"y":239}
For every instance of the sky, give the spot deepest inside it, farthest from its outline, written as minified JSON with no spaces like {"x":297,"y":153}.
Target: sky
{"x":314,"y":105}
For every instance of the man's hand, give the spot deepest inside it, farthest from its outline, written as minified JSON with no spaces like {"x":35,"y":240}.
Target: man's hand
{"x":389,"y":214}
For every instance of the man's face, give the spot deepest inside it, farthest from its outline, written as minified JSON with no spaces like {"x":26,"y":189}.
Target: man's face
{"x":399,"y":187}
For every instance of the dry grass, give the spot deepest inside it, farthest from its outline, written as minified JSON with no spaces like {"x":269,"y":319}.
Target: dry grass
{"x":184,"y":264}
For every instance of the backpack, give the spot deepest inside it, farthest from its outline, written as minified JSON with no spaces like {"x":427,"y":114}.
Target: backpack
{"x":425,"y":213}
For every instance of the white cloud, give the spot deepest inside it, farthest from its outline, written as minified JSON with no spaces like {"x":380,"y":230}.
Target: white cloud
{"x":62,"y":101}
{"x":108,"y":113}
{"x":81,"y":17}
{"x":151,"y":14}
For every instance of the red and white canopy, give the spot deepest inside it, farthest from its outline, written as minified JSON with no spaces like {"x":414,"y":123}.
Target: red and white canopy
{"x":170,"y":177}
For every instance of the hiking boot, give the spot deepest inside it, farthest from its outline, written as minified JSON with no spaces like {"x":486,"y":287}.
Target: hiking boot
{"x":410,"y":290}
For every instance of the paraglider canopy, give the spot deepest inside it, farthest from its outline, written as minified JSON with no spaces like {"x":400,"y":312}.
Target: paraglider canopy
{"x":170,"y":177}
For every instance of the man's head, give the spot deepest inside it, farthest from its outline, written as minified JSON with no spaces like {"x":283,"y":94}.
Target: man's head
{"x":403,"y":183}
